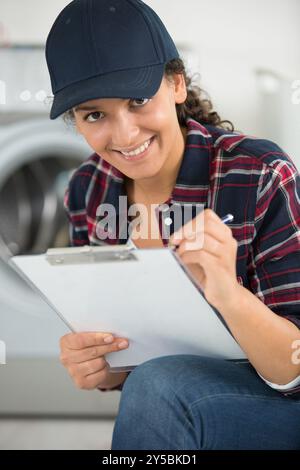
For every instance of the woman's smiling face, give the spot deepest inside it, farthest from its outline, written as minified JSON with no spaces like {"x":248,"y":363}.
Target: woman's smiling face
{"x":147,"y":127}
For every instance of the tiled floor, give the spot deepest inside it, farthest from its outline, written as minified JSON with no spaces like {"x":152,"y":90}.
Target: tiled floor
{"x":67,"y":434}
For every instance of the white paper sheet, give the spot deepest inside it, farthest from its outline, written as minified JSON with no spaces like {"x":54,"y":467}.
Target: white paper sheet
{"x":151,"y":301}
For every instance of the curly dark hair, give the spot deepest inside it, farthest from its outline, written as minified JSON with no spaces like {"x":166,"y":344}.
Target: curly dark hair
{"x":197,"y":105}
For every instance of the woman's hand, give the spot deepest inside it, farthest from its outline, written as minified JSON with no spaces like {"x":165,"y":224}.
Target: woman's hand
{"x":207,"y":248}
{"x":83,"y":355}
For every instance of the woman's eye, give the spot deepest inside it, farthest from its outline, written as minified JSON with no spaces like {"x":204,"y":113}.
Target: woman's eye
{"x":141,"y":101}
{"x":95,"y":116}
{"x":92,"y":117}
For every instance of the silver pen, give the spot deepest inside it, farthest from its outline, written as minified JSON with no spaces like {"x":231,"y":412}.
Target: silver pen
{"x":227,"y":218}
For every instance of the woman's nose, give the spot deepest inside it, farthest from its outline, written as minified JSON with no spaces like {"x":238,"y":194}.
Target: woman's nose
{"x":125,"y":133}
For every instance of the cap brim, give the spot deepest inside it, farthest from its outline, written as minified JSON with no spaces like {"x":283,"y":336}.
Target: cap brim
{"x":135,"y":83}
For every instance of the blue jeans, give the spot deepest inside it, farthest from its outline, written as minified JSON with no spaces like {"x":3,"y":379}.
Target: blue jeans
{"x":187,"y":402}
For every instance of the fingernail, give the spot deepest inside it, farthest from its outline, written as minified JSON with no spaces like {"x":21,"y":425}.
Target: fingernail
{"x":108,"y":339}
{"x":123,"y":344}
{"x":173,"y":247}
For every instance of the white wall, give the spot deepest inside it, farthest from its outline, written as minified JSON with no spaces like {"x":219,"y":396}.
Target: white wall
{"x":231,"y":38}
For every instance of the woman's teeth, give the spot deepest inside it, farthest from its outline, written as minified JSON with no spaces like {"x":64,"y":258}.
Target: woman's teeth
{"x":139,"y":150}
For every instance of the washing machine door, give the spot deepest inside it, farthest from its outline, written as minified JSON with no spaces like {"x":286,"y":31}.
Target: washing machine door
{"x":15,"y":213}
{"x":37,"y":158}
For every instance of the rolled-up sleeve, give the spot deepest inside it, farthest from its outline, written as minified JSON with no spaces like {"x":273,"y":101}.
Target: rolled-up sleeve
{"x":274,"y":267}
{"x":291,"y":388}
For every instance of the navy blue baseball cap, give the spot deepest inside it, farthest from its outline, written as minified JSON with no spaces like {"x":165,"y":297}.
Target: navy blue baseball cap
{"x":106,"y":49}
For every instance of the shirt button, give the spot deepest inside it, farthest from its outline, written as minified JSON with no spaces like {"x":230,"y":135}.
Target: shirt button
{"x":168,"y":221}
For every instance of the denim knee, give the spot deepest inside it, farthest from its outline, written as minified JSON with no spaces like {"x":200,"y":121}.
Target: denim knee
{"x":157,"y":403}
{"x":197,"y":374}
{"x":193,"y":402}
{"x":152,"y":415}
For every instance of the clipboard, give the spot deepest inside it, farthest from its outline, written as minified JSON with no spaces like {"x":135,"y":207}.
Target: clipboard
{"x":144,"y":295}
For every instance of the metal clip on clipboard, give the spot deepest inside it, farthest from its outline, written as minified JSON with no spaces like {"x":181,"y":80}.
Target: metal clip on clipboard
{"x":90,"y":254}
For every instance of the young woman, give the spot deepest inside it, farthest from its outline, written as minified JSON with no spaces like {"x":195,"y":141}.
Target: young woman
{"x":117,"y":75}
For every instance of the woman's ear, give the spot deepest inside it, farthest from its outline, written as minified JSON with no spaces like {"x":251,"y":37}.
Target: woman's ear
{"x":180,"y":91}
